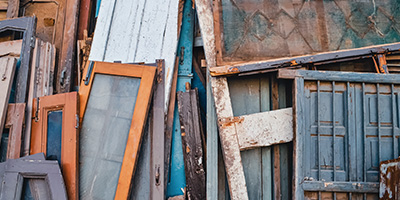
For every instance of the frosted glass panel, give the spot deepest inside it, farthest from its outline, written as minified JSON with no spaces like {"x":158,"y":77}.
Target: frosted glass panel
{"x":104,"y":133}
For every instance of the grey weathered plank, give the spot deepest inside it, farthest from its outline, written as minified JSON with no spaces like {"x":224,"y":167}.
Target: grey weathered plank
{"x":192,"y":143}
{"x":11,"y":48}
{"x":7,"y":70}
{"x":157,"y":181}
{"x":358,"y":187}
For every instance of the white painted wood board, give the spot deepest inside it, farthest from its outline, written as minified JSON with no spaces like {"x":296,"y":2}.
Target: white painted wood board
{"x":137,"y":31}
{"x":7,"y":71}
{"x":11,"y":48}
{"x":265,"y":128}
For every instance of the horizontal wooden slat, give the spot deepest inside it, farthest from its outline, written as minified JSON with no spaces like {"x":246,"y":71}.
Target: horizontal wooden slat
{"x":11,"y":48}
{"x":356,"y":187}
{"x":265,"y":129}
{"x":339,"y":76}
{"x":3,"y":5}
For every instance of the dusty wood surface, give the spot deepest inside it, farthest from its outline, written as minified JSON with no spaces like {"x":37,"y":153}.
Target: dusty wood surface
{"x":276,"y":152}
{"x":265,"y":128}
{"x":389,"y":179}
{"x":11,"y":48}
{"x":15,"y":123}
{"x":192,"y":143}
{"x":157,"y":181}
{"x":68,"y":103}
{"x":229,"y":141}
{"x":7,"y":70}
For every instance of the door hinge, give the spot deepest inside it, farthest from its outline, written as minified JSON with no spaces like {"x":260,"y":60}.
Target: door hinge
{"x":36,"y":117}
{"x":89,"y":73}
{"x":77,"y":121}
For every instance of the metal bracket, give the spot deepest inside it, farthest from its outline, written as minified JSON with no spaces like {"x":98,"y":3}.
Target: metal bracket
{"x":37,"y":110}
{"x":89,"y":73}
{"x":77,"y":121}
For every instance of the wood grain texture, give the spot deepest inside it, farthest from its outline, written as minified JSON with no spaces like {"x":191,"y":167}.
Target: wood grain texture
{"x":12,"y":9}
{"x":7,"y":70}
{"x":15,"y":123}
{"x":41,"y":81}
{"x":157,"y":181}
{"x":276,"y":151}
{"x":192,"y":143}
{"x":11,"y":48}
{"x":153,"y":34}
{"x":267,"y":128}
{"x":68,"y":103}
{"x":147,"y":75}
{"x":229,"y":142}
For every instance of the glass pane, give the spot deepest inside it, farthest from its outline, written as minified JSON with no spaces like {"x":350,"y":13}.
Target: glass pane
{"x":54,"y":132}
{"x":36,"y":187}
{"x":104,"y":134}
{"x":4,"y":145}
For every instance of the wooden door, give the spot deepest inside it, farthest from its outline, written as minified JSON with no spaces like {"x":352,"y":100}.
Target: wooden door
{"x":114,"y":101}
{"x":55,"y":133}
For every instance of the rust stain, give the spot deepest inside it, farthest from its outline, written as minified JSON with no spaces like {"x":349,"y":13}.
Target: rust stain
{"x":187,"y":149}
{"x":230,"y":121}
{"x":389,"y":179}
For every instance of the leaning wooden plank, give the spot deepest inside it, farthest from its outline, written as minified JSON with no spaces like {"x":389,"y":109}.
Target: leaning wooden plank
{"x":389,"y":179}
{"x":27,"y":25}
{"x":12,"y":9}
{"x":192,"y":144}
{"x":11,"y":48}
{"x":15,"y":122}
{"x":229,"y":141}
{"x":267,"y":128}
{"x":7,"y":70}
{"x":157,"y":184}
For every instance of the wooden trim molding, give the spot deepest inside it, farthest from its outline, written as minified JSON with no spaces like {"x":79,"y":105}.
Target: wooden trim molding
{"x":15,"y":122}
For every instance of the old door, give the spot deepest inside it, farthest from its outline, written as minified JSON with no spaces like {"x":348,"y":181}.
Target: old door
{"x":55,"y":133}
{"x":345,"y":125}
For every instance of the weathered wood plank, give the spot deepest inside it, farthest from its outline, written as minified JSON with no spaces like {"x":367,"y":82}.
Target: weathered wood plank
{"x":15,"y":122}
{"x":229,"y":142}
{"x":7,"y":70}
{"x":157,"y":181}
{"x":11,"y":48}
{"x":267,"y":128}
{"x":276,"y":152}
{"x":192,"y":143}
{"x":358,"y":187}
{"x":12,"y":8}
{"x":339,"y":76}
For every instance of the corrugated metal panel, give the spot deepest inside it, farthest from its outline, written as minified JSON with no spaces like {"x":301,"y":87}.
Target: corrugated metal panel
{"x":137,"y":31}
{"x":345,"y":126}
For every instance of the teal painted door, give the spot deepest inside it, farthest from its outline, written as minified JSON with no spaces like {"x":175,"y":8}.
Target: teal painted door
{"x":345,"y":128}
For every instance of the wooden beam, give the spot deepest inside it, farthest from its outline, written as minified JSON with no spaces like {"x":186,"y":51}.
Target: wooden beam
{"x":11,"y":48}
{"x":229,"y":141}
{"x":276,"y":153}
{"x":267,"y":128}
{"x":192,"y":144}
{"x":7,"y":70}
{"x":12,"y":9}
{"x":157,"y":181}
{"x":356,"y":187}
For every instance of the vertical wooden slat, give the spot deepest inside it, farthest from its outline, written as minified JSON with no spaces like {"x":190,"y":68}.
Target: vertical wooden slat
{"x":15,"y":122}
{"x":157,"y":184}
{"x":379,"y":122}
{"x":319,"y":133}
{"x":276,"y":154}
{"x":348,"y":131}
{"x":7,"y":70}
{"x":334,"y":133}
{"x":393,"y":121}
{"x":12,"y":9}
{"x":364,"y":135}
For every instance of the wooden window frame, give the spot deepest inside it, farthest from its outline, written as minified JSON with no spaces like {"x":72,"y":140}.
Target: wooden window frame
{"x":15,"y":170}
{"x":7,"y":70}
{"x":68,"y":103}
{"x":147,"y":76}
{"x":27,"y":25}
{"x":268,"y":128}
{"x":14,"y":122}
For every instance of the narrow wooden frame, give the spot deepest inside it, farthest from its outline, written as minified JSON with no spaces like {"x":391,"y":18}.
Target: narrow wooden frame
{"x":68,"y":103}
{"x":147,"y":75}
{"x":7,"y":70}
{"x":14,"y":122}
{"x":34,"y":166}
{"x":27,"y":25}
{"x":268,"y":128}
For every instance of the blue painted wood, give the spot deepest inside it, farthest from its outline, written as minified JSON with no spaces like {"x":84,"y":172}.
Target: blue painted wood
{"x":349,"y":128}
{"x":177,"y":180}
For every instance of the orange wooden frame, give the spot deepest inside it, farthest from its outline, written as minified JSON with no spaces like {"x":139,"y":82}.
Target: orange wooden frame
{"x":147,"y":75}
{"x":14,"y":122}
{"x":68,"y":103}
